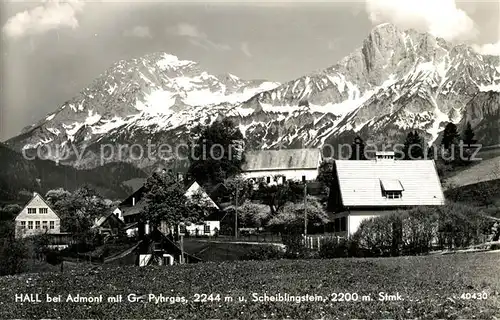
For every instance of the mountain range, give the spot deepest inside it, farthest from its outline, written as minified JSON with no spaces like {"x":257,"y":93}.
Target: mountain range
{"x":396,"y":81}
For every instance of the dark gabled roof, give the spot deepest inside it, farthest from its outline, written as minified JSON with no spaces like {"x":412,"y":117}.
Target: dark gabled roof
{"x":132,"y":210}
{"x":106,"y":216}
{"x":219,"y":188}
{"x":138,"y":194}
{"x":284,"y":159}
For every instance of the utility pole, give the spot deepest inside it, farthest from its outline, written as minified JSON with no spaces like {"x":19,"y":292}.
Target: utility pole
{"x":182,"y":249}
{"x":305,"y":208}
{"x":236,"y":213}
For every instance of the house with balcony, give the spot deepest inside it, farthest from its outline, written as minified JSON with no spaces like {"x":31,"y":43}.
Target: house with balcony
{"x":365,"y":189}
{"x":278,"y":166}
{"x":37,"y":217}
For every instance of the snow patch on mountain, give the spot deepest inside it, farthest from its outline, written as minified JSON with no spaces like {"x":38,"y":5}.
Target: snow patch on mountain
{"x":54,"y":131}
{"x":490,"y":87}
{"x":171,"y":61}
{"x":157,"y":102}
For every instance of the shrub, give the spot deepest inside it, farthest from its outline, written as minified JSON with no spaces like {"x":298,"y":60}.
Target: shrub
{"x":381,"y":236}
{"x":12,"y":256}
{"x":418,"y":230}
{"x":420,"y":227}
{"x":339,"y":248}
{"x":461,"y":226}
{"x":264,"y":252}
{"x":53,"y":257}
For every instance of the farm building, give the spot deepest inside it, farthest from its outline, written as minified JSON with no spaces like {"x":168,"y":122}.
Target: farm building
{"x":279,"y":166}
{"x":37,"y":217}
{"x":369,"y":188}
{"x":109,"y":224}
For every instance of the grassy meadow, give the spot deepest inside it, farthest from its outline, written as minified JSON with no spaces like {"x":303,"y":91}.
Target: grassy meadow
{"x":430,"y":287}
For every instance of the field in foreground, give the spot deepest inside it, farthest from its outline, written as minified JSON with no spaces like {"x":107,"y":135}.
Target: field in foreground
{"x":430,"y":287}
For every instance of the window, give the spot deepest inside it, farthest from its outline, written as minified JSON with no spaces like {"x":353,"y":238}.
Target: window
{"x":43,"y":210}
{"x":393,"y":194}
{"x":37,"y":224}
{"x":268,"y":179}
{"x":44,"y":225}
{"x":391,"y":189}
{"x":31,"y":210}
{"x":303,"y":179}
{"x":206,"y":229}
{"x":52,"y":224}
{"x":343,"y":224}
{"x":23,"y":224}
{"x":30,"y":224}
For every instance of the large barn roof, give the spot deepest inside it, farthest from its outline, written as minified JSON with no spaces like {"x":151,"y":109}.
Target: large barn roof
{"x":362,"y":182}
{"x":284,"y":159}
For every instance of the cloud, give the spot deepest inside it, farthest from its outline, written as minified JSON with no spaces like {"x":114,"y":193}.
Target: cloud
{"x":441,"y":18}
{"x":489,"y":48}
{"x":52,"y":14}
{"x":245,"y":48}
{"x":197,"y":37}
{"x":139,"y":32}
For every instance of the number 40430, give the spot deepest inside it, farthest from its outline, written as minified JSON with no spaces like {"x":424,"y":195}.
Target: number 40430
{"x":474,"y":296}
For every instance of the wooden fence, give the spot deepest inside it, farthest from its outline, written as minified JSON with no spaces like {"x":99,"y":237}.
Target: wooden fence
{"x":315,"y":242}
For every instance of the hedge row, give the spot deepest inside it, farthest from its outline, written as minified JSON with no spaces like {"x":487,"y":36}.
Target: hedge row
{"x":413,"y":232}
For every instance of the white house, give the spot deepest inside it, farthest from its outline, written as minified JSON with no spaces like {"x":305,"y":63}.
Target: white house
{"x":278,"y":166}
{"x":209,"y":226}
{"x":370,"y":188}
{"x":37,"y":217}
{"x":130,"y":209}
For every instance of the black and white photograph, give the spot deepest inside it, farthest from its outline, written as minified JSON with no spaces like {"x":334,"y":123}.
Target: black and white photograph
{"x":246,"y":159}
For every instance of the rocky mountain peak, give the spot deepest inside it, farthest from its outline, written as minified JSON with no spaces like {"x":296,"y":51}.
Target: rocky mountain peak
{"x":397,"y":80}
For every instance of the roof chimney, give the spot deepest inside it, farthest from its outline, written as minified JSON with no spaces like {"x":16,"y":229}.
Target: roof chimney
{"x":384,"y":156}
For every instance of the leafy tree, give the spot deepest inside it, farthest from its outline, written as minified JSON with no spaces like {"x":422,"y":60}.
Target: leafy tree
{"x":9,"y":212}
{"x":56,"y":195}
{"x":326,"y":173}
{"x":276,"y":196}
{"x":78,"y":210}
{"x":237,"y":184}
{"x":216,"y":152}
{"x":290,"y":217}
{"x":166,"y":201}
{"x":413,"y":147}
{"x":358,"y":149}
{"x":253,"y":215}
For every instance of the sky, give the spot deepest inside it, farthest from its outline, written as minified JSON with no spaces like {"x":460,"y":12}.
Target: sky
{"x":53,"y":49}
